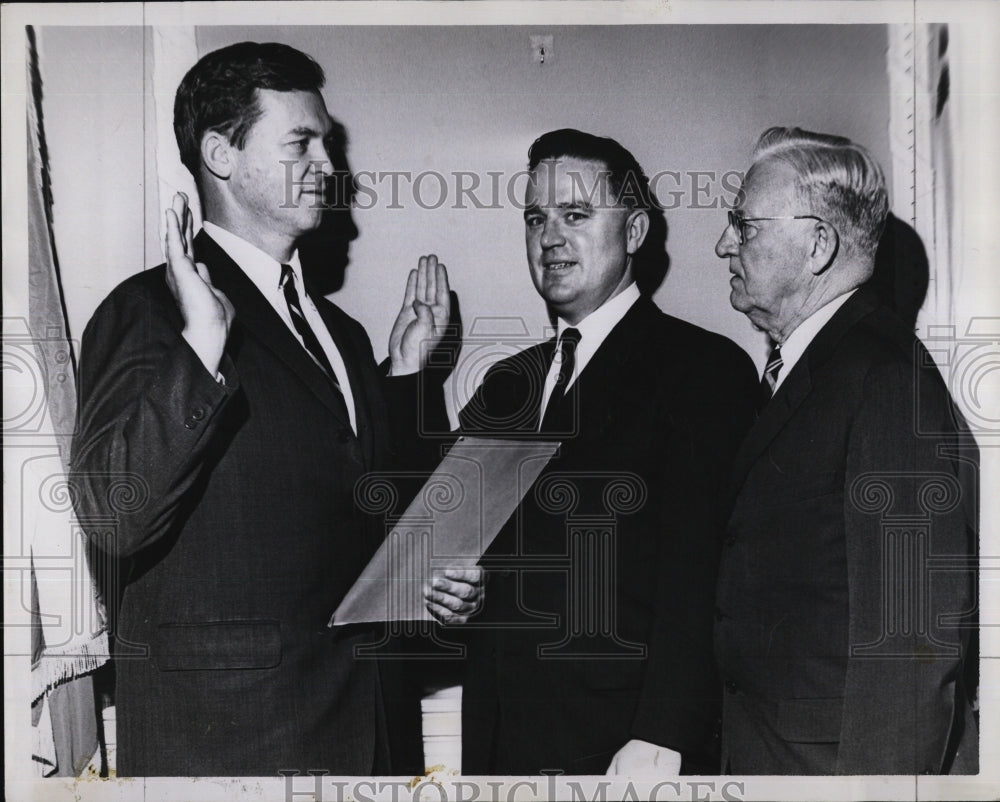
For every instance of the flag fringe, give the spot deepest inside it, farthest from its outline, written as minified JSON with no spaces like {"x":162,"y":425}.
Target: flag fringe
{"x":55,"y":668}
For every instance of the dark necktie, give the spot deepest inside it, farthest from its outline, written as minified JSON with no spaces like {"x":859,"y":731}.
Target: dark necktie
{"x":770,"y":378}
{"x":566,"y":356}
{"x":308,"y":336}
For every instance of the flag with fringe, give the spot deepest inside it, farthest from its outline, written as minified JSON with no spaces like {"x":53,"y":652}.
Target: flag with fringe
{"x":68,"y":627}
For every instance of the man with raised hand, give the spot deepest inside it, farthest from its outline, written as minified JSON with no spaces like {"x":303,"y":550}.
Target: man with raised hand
{"x":239,"y":410}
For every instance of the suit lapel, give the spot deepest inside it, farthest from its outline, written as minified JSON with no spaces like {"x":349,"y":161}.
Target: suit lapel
{"x":597,"y":389}
{"x":772,"y":420}
{"x":256,"y":318}
{"x":794,"y":390}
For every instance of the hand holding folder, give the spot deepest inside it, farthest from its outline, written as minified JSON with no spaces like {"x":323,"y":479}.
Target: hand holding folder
{"x":455,"y":594}
{"x":450,"y":524}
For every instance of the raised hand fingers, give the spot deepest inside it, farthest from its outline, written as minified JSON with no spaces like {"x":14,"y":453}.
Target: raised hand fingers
{"x":188,"y":227}
{"x":442,"y":295}
{"x":411,"y":290}
{"x":174,"y":240}
{"x":425,"y":312}
{"x":430,"y":291}
{"x":422,"y":278}
{"x":179,"y":206}
{"x":431,"y":282}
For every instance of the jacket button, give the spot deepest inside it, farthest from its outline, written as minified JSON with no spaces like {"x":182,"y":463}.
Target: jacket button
{"x":731,"y":686}
{"x":344,"y":437}
{"x":198,"y":413}
{"x":730,"y":539}
{"x":719,"y":615}
{"x":190,"y":423}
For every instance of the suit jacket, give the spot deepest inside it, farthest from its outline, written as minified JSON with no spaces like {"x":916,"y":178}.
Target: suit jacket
{"x":229,"y":518}
{"x":598,"y":614}
{"x":847,"y":568}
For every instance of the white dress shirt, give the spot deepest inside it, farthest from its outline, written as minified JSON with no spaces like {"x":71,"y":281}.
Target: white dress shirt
{"x":797,"y":342}
{"x":594,"y":329}
{"x":265,"y":273}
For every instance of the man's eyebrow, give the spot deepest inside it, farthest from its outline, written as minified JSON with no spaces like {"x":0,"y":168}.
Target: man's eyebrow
{"x":305,"y":130}
{"x":584,"y":206}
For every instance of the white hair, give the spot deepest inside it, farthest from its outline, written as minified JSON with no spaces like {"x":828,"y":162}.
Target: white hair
{"x":838,"y":179}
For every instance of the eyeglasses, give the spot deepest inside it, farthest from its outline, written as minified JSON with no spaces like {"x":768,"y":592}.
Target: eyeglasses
{"x":737,"y":221}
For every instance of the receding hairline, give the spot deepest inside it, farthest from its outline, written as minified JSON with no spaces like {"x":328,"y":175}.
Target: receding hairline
{"x":304,"y":129}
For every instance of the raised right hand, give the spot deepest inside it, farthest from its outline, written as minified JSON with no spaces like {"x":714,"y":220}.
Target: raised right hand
{"x":207,"y":312}
{"x":422,"y":321}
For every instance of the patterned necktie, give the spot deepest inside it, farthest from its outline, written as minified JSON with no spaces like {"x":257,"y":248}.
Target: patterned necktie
{"x":566,"y":356}
{"x":309,"y":339}
{"x":770,"y":378}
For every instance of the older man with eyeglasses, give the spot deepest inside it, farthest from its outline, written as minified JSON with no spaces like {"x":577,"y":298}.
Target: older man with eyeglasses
{"x":846,"y":600}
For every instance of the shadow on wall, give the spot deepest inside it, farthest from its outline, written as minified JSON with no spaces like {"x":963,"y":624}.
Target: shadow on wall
{"x":902,"y":272}
{"x":325,"y":252}
{"x":652,"y":262}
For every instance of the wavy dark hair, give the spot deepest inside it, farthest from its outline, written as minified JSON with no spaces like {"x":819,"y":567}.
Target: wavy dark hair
{"x":627,"y":182}
{"x":219,"y":93}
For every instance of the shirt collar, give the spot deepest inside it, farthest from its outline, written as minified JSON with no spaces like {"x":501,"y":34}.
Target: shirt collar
{"x":797,"y":342}
{"x":599,"y":323}
{"x":261,"y":269}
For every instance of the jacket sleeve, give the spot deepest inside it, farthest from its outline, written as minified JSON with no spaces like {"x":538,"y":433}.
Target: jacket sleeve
{"x":678,"y":705}
{"x":418,"y":419}
{"x":909,"y":541}
{"x":146,"y":417}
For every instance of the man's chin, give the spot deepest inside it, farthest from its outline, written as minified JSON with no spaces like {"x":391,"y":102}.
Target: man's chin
{"x":739,"y":301}
{"x":310,"y":222}
{"x":310,"y":203}
{"x":557,"y":301}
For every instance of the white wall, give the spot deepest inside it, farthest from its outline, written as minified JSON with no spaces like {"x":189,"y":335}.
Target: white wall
{"x":95,"y":108}
{"x":682,"y":98}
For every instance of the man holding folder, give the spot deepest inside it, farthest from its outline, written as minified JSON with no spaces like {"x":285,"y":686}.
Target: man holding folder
{"x":593,"y":652}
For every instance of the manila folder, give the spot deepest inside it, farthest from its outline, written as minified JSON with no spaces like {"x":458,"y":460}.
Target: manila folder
{"x":451,"y":523}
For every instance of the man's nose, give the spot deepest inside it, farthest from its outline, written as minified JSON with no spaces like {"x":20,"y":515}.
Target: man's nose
{"x":728,"y":244}
{"x":321,"y":160}
{"x":552,"y":234}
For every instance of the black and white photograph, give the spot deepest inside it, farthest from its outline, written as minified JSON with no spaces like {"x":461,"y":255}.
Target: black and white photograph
{"x":501,"y":400}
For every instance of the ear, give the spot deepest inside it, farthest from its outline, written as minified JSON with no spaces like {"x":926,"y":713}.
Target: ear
{"x":636,"y":228}
{"x":825,"y":244}
{"x":217,"y":154}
